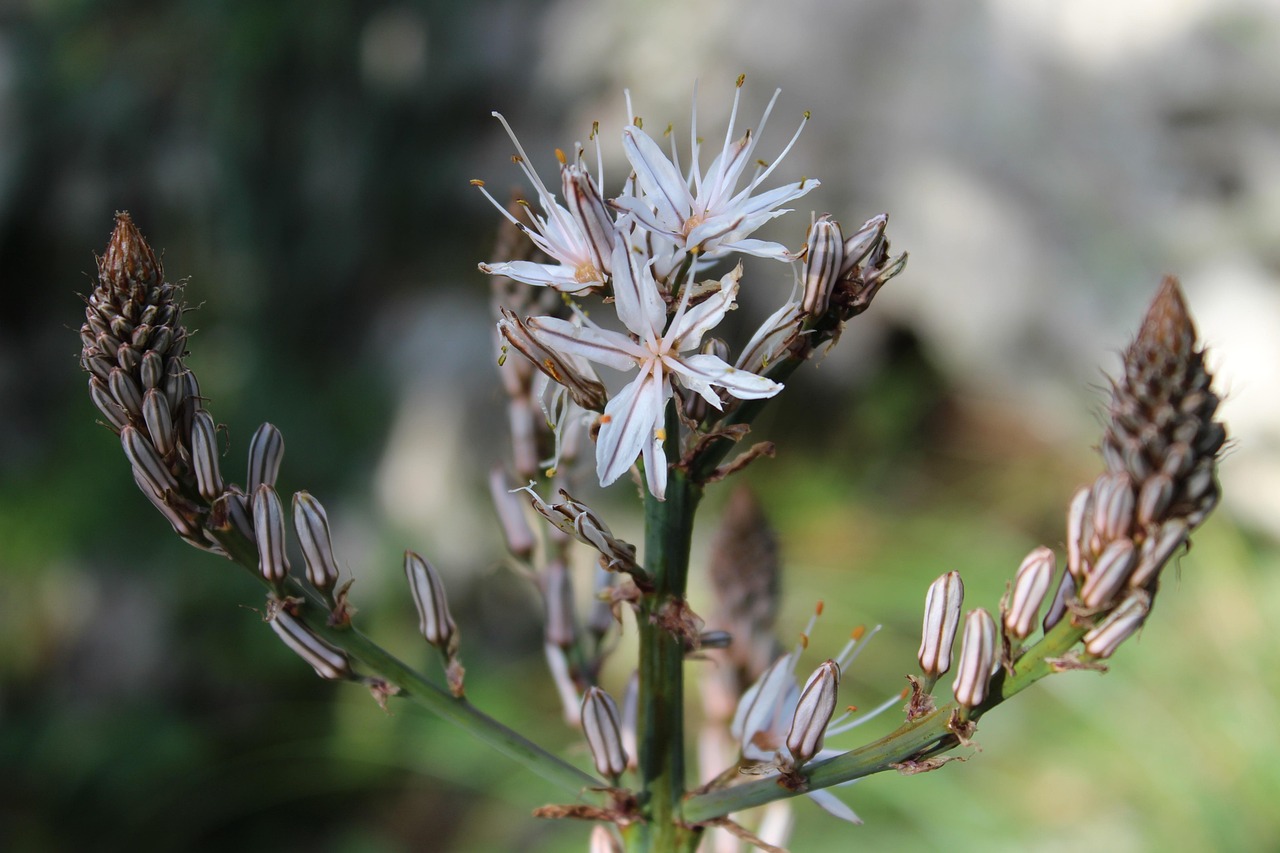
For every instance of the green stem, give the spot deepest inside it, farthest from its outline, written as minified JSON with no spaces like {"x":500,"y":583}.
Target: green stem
{"x":928,"y":735}
{"x":660,"y":723}
{"x":375,"y":661}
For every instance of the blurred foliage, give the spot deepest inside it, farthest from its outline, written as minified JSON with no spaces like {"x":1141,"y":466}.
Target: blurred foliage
{"x":307,"y":183}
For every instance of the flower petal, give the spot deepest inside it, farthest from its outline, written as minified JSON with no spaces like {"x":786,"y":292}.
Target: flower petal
{"x":635,"y":293}
{"x":834,"y":806}
{"x":712,"y":370}
{"x":602,"y":346}
{"x":628,"y":424}
{"x":661,"y":185}
{"x":547,"y":275}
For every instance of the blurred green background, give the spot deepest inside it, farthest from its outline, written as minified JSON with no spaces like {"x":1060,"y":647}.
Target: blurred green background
{"x":305,"y":167}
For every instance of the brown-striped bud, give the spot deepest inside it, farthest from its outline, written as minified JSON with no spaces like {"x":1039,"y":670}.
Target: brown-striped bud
{"x":117,"y":417}
{"x":204,"y":455}
{"x":328,"y":661}
{"x":941,"y":617}
{"x":268,"y":532}
{"x":814,"y":710}
{"x":1119,"y":625}
{"x":603,"y":728}
{"x":862,"y":242}
{"x":1106,"y":578}
{"x":159,"y":423}
{"x":823,"y":260}
{"x":148,"y":467}
{"x":977,"y":660}
{"x":1157,"y":548}
{"x":1079,"y":530}
{"x":1030,"y":586}
{"x":1066,"y":592}
{"x":266,"y":450}
{"x":434,"y":620}
{"x":574,"y":374}
{"x":312,"y":526}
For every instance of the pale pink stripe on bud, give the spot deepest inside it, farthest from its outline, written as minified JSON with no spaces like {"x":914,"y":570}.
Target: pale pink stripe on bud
{"x":1066,"y":592}
{"x":435,"y":622}
{"x":824,"y":258}
{"x":603,"y":729}
{"x":941,"y":618}
{"x":268,"y":531}
{"x":204,"y":455}
{"x":813,"y":712}
{"x":312,"y":526}
{"x":1115,"y":565}
{"x":1030,"y":586}
{"x":510,"y":510}
{"x":1078,"y":531}
{"x":266,"y":449}
{"x":977,"y":659}
{"x":328,"y":661}
{"x":1119,"y":625}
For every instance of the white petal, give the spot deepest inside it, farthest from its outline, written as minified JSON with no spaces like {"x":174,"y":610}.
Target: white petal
{"x":834,"y":806}
{"x":635,"y":293}
{"x":549,"y":275}
{"x":599,"y":345}
{"x":660,"y":184}
{"x":740,"y":383}
{"x":628,"y":424}
{"x":655,"y":467}
{"x":689,"y":327}
{"x":757,"y":248}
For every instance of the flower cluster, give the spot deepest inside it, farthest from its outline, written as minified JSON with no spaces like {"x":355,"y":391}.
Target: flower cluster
{"x":643,"y":249}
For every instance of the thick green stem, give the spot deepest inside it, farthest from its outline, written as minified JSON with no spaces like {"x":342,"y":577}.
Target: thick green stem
{"x":925,"y":736}
{"x":668,"y":533}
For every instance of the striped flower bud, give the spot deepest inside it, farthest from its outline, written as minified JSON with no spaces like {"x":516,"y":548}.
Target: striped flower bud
{"x":1066,"y":592}
{"x":1079,"y":514}
{"x":1030,"y":586}
{"x":1157,"y":548}
{"x":434,"y":620}
{"x":557,"y":592}
{"x":814,"y":710}
{"x":268,"y":532}
{"x":266,"y":449}
{"x":1109,"y":574}
{"x":603,"y":728}
{"x":312,"y":526}
{"x":823,"y":260}
{"x":1119,"y":625}
{"x":941,"y":618}
{"x":148,"y":467}
{"x":573,"y":373}
{"x":204,"y":456}
{"x":863,"y":242}
{"x":510,"y":509}
{"x":328,"y":661}
{"x":159,"y":423}
{"x":977,"y":661}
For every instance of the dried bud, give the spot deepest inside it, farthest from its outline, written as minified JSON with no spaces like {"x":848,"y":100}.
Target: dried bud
{"x":1030,"y":586}
{"x":328,"y":661}
{"x":863,"y":242}
{"x":603,"y":729}
{"x":813,"y":713}
{"x":941,"y":617}
{"x":823,"y":260}
{"x":265,"y":452}
{"x":577,"y":520}
{"x":435,"y":621}
{"x":536,"y":339}
{"x":1119,"y":625}
{"x":977,"y":660}
{"x":268,"y":531}
{"x":312,"y":526}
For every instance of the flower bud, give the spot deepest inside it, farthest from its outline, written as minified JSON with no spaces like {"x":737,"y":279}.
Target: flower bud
{"x":863,"y":241}
{"x":1030,"y":586}
{"x":603,"y":729}
{"x":266,"y":449}
{"x":1078,"y":531}
{"x":557,"y":591}
{"x":1156,"y":550}
{"x":312,"y":526}
{"x":148,"y":467}
{"x":268,"y":532}
{"x":977,"y":659}
{"x":435,"y":621}
{"x":1119,"y":625}
{"x":204,"y":455}
{"x":824,"y":257}
{"x":1113,"y":568}
{"x":1066,"y":592}
{"x":941,"y":617}
{"x":328,"y":661}
{"x":510,"y":510}
{"x":106,"y":403}
{"x":813,"y":713}
{"x":155,"y":414}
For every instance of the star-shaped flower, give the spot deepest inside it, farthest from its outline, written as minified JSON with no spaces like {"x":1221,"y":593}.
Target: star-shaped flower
{"x":632,"y":423}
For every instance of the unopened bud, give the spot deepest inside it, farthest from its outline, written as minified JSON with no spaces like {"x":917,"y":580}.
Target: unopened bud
{"x":941,"y":617}
{"x":148,"y":467}
{"x":155,"y":414}
{"x":312,"y":525}
{"x":814,"y":710}
{"x":1112,"y":570}
{"x":106,"y":403}
{"x":603,"y":729}
{"x":977,"y":658}
{"x":824,"y":257}
{"x":266,"y":449}
{"x":1157,"y":548}
{"x":435,"y":621}
{"x":1030,"y":586}
{"x":268,"y":532}
{"x":328,"y":661}
{"x":510,"y":509}
{"x":557,"y":591}
{"x":1078,"y":516}
{"x":863,"y":241}
{"x":1113,"y":504}
{"x":204,"y":455}
{"x":1066,"y":592}
{"x":1119,"y":625}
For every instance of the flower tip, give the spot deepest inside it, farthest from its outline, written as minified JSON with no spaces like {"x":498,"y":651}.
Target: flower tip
{"x":476,"y":182}
{"x":1168,"y":323}
{"x":128,"y":256}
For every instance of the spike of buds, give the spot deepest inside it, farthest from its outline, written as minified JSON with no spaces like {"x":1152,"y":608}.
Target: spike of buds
{"x":1119,"y":625}
{"x":312,"y":526}
{"x":266,"y":450}
{"x":268,"y":531}
{"x":1030,"y":586}
{"x":435,"y":621}
{"x":813,"y":713}
{"x":941,"y":617}
{"x":601,"y":724}
{"x":977,"y":659}
{"x":328,"y":661}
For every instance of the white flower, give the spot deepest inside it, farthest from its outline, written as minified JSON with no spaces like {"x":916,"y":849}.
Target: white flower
{"x":706,"y":212}
{"x":768,"y":708}
{"x":578,"y":238}
{"x":632,"y":423}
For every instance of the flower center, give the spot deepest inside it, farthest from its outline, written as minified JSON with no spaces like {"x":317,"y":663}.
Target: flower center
{"x":585,"y":272}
